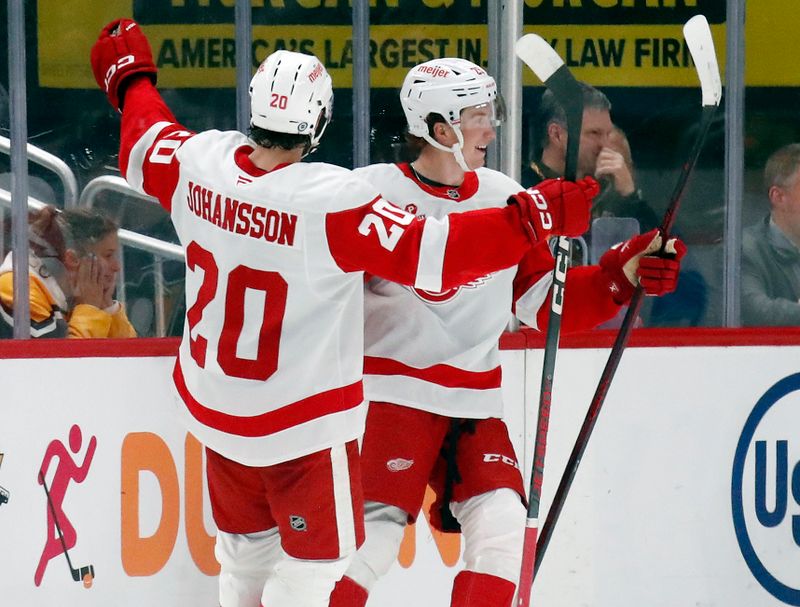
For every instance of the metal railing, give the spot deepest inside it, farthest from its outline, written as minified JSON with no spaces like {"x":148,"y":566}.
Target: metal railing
{"x":161,"y":250}
{"x":111,"y":183}
{"x":165,"y":250}
{"x":158,"y":248}
{"x":52,"y":163}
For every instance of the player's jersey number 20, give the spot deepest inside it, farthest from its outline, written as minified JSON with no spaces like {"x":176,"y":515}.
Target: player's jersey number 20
{"x":239,"y":280}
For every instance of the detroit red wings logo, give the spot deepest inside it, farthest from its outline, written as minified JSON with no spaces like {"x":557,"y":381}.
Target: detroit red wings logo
{"x":440,"y":297}
{"x":399,"y":464}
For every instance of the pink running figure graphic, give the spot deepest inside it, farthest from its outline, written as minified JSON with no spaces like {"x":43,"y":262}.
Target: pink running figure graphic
{"x":61,"y":535}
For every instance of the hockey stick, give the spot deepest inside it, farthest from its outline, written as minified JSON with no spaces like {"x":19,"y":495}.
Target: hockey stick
{"x":701,"y":45}
{"x":84,"y":573}
{"x":540,"y":57}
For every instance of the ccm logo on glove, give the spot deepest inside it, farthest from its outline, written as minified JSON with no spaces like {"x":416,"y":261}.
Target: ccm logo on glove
{"x":121,"y":62}
{"x":121,"y":53}
{"x":556,"y":207}
{"x":540,"y":202}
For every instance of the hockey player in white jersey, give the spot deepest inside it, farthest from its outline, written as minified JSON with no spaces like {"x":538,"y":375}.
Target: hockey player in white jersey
{"x":269,"y":371}
{"x":432,"y":364}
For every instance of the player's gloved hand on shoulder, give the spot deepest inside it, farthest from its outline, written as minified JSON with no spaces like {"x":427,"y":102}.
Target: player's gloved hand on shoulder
{"x":640,"y":261}
{"x":556,"y":207}
{"x":121,"y":51}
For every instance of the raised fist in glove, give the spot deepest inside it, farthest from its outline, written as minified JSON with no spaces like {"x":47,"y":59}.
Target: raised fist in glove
{"x":556,"y":207}
{"x":640,"y":261}
{"x":121,"y":51}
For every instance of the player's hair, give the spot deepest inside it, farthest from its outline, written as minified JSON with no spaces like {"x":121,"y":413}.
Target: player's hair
{"x":52,"y":232}
{"x":551,"y":111}
{"x":781,"y":166}
{"x":273,"y":139}
{"x":417,"y":144}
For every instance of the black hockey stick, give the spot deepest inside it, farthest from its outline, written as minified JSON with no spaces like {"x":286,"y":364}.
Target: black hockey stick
{"x":84,"y":573}
{"x":701,"y":45}
{"x":551,"y":70}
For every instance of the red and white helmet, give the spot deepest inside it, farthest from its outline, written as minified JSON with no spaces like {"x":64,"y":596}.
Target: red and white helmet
{"x":447,"y":86}
{"x":292,"y":93}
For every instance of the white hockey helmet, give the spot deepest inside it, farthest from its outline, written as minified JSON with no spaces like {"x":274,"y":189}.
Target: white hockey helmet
{"x":446,"y":87}
{"x":292,"y":93}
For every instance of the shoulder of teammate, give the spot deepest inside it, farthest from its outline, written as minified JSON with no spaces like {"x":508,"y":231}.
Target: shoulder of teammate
{"x":495,"y":185}
{"x":377,"y":171}
{"x":390,"y":179}
{"x":496,"y":179}
{"x":327,"y":188}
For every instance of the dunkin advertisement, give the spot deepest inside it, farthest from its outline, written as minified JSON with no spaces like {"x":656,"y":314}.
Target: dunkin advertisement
{"x":688,"y":493}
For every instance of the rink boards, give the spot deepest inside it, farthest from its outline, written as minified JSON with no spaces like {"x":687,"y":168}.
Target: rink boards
{"x":688,"y":494}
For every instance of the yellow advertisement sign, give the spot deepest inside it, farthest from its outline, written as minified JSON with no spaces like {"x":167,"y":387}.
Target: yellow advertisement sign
{"x":202,"y":55}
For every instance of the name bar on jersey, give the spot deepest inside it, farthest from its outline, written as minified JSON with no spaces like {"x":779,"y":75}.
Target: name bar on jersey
{"x":241,"y":217}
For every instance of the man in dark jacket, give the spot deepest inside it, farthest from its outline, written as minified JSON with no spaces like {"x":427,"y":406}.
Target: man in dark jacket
{"x":601,"y":154}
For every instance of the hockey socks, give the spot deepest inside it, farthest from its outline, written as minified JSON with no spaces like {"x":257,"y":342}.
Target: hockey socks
{"x":348,"y":594}
{"x":472,"y":589}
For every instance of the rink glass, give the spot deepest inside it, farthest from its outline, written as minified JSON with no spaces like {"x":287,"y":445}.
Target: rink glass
{"x":634,"y":54}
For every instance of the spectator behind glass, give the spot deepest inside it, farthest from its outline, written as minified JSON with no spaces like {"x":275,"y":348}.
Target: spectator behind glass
{"x":601,"y":154}
{"x":611,"y":202}
{"x":74,"y":262}
{"x":771,"y":248}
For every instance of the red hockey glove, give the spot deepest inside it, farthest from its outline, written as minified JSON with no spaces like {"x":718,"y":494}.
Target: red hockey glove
{"x":121,"y":51}
{"x":629,"y":264}
{"x":556,"y":207}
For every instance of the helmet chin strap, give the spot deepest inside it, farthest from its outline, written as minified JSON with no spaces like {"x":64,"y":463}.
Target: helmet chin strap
{"x":309,"y":148}
{"x":457,"y":149}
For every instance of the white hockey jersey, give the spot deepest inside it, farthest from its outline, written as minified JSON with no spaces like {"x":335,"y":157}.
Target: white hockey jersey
{"x":438,"y":350}
{"x":270,"y":365}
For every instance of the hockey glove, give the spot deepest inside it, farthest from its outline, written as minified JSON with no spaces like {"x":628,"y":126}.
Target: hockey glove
{"x":556,"y":207}
{"x":121,"y":51}
{"x":639,"y":261}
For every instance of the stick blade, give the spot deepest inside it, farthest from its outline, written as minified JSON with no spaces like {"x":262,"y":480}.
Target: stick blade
{"x":538,"y":55}
{"x":701,"y":45}
{"x":550,"y":68}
